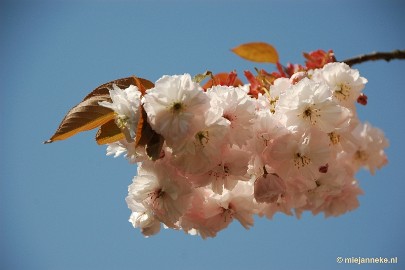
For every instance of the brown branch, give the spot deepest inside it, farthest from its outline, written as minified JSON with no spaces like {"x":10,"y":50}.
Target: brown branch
{"x":387,"y":56}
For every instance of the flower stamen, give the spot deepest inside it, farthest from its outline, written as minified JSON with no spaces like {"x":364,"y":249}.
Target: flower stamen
{"x":177,"y":107}
{"x":311,"y":113}
{"x":342,"y":92}
{"x":334,"y":138}
{"x":301,"y":161}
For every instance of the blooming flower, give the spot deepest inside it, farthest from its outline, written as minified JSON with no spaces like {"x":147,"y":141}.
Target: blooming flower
{"x":299,"y":157}
{"x":219,"y":211}
{"x":230,"y":169}
{"x":308,"y":103}
{"x":370,"y":148}
{"x":345,"y":83}
{"x":175,"y":107}
{"x":161,"y":190}
{"x":143,"y":218}
{"x":237,"y":107}
{"x":201,"y":152}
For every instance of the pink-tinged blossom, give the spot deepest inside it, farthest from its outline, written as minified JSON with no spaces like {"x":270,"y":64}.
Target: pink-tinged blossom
{"x":209,"y":219}
{"x":293,"y":198}
{"x":143,"y":219}
{"x":175,"y":107}
{"x":343,"y":202}
{"x":370,"y":146}
{"x":308,"y":104}
{"x":231,"y":168}
{"x":266,"y":129}
{"x":345,"y":82}
{"x":300,"y":156}
{"x":343,"y":140}
{"x":219,"y":211}
{"x":237,"y":108}
{"x":125,"y":103}
{"x":295,"y":148}
{"x":202,"y":151}
{"x":162,"y":190}
{"x":328,"y":185}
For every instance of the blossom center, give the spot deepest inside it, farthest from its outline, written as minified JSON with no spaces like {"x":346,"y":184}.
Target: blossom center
{"x":222,"y":171}
{"x":311,"y":113}
{"x":265,"y":137}
{"x":155,"y":195}
{"x":227,"y":213}
{"x":273,"y":102}
{"x":361,"y":155}
{"x":334,"y":138}
{"x":301,"y":161}
{"x":177,"y":107}
{"x":342,"y":91}
{"x":121,"y":121}
{"x":202,"y":137}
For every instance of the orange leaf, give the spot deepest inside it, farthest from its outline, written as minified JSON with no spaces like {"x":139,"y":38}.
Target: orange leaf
{"x":109,"y":133}
{"x":88,"y":114}
{"x":145,"y":135}
{"x":257,"y":52}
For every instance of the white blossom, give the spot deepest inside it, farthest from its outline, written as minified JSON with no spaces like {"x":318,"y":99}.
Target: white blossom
{"x":125,"y":104}
{"x":308,"y":103}
{"x":345,"y":82}
{"x":175,"y":107}
{"x":237,"y":108}
{"x":161,"y":190}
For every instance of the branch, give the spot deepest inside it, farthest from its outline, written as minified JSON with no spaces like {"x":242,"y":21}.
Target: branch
{"x":387,"y":56}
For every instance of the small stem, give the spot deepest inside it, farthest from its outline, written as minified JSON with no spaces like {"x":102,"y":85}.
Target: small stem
{"x":387,"y":56}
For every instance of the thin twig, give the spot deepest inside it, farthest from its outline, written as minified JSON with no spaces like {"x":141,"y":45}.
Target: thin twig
{"x":387,"y":56}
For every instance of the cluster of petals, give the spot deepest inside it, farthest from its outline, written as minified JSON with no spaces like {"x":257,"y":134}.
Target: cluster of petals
{"x":230,"y":156}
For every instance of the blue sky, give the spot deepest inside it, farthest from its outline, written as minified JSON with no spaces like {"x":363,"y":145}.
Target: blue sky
{"x":62,"y":205}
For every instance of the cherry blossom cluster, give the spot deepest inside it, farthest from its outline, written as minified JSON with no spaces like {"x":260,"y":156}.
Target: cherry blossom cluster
{"x":228,"y":155}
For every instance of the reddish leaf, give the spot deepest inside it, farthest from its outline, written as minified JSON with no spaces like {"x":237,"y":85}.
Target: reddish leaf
{"x":257,"y":52}
{"x":255,"y":84}
{"x":224,"y":78}
{"x":146,"y":136}
{"x":319,"y":58}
